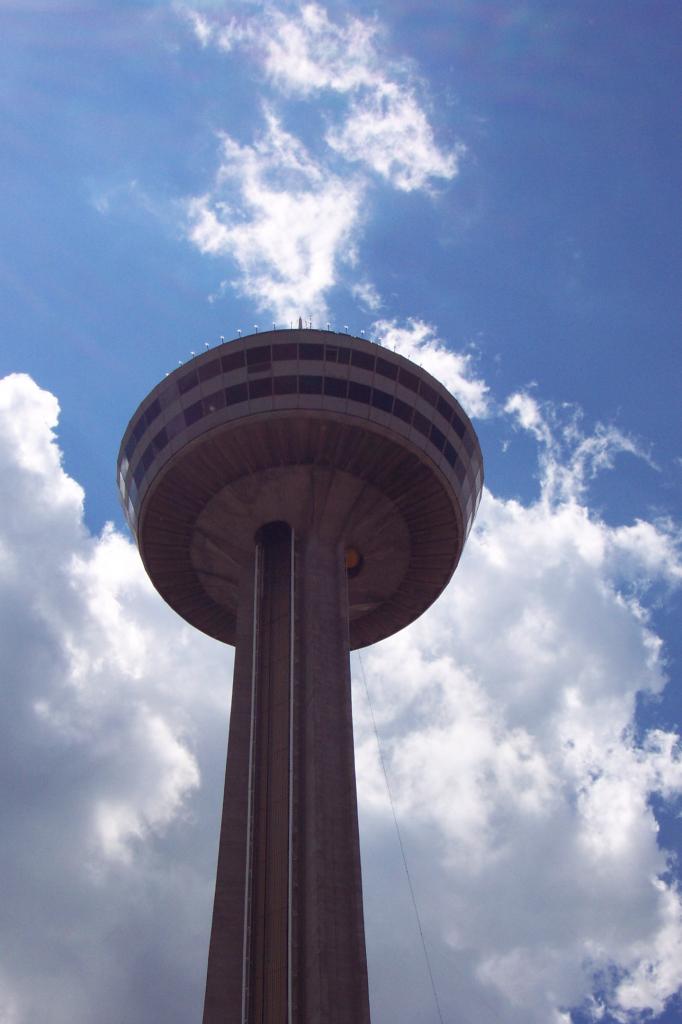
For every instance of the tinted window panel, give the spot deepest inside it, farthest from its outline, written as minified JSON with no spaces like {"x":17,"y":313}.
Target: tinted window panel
{"x":175,"y":426}
{"x":402,"y":410}
{"x":460,"y":471}
{"x":444,"y":409}
{"x":344,"y":355}
{"x":458,"y":425}
{"x":310,"y":385}
{"x":139,"y":430}
{"x":148,"y":456}
{"x":235,"y":394}
{"x":260,"y":354}
{"x":214,"y":402}
{"x":152,"y":411}
{"x":232,"y":362}
{"x":160,"y":441}
{"x":309,"y":351}
{"x":331,"y":353}
{"x":362,"y":359}
{"x":438,"y":437}
{"x":387,"y":369}
{"x":194,"y":413}
{"x":450,"y":453}
{"x":260,"y":388}
{"x":408,"y":380}
{"x":358,"y":392}
{"x":209,"y":370}
{"x":469,"y":443}
{"x":130,"y":446}
{"x":189,"y":381}
{"x":335,"y":387}
{"x":286,"y":351}
{"x":382,"y":400}
{"x":428,"y":393}
{"x":139,"y":473}
{"x":287,"y":385}
{"x":421,"y":423}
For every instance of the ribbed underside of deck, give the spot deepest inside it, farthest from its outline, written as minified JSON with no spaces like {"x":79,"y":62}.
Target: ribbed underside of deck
{"x":198,"y":518}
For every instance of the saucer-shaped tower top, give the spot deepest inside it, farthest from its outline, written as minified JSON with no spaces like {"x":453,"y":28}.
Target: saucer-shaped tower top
{"x":297,"y":425}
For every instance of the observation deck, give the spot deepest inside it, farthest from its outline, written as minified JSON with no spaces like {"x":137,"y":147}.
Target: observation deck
{"x":255,"y":428}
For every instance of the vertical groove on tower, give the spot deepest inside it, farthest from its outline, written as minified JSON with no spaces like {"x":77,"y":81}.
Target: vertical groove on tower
{"x":268,"y":982}
{"x":331,"y":939}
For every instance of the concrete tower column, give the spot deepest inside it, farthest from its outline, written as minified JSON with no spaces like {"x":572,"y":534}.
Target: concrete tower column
{"x":289,"y":889}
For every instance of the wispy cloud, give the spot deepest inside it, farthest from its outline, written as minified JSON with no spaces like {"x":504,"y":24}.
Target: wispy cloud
{"x":289,"y":219}
{"x":306,"y":52}
{"x":283,"y":218}
{"x":384,"y":125}
{"x":389,"y":132}
{"x":569,"y":458}
{"x":367,"y":295}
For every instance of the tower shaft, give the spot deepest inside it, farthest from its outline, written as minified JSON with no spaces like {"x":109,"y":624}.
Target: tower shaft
{"x":357,"y":449}
{"x":287,"y":938}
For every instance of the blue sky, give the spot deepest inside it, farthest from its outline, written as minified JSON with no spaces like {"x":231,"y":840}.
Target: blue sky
{"x":494,"y":189}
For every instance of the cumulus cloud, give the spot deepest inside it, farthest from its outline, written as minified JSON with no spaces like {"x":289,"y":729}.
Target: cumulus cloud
{"x":284,"y":219}
{"x":507,"y":720}
{"x":97,"y":746}
{"x":507,"y":717}
{"x":419,"y":341}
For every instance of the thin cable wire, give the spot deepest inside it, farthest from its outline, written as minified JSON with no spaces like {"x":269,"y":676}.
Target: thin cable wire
{"x":400,"y":843}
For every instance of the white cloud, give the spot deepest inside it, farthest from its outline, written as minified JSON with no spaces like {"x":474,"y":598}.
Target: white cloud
{"x":101,"y":692}
{"x":385,"y":126}
{"x":506,"y":714}
{"x":82,"y":593}
{"x":569,"y":459}
{"x":201,"y":26}
{"x":382,"y":123}
{"x":657,"y":967}
{"x":507,"y":718}
{"x":284,"y":219}
{"x":289,"y":219}
{"x":390,"y":132}
{"x":366,"y":293}
{"x":418,"y":341}
{"x":307,"y":52}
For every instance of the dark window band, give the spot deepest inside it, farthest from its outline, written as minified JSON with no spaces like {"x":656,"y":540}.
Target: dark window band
{"x":258,"y":359}
{"x":303,"y":384}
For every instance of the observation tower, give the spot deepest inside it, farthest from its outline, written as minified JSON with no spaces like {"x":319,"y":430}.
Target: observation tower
{"x":298,"y":494}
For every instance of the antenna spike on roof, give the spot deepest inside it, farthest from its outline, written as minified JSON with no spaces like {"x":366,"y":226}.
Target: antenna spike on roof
{"x":300,"y":323}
